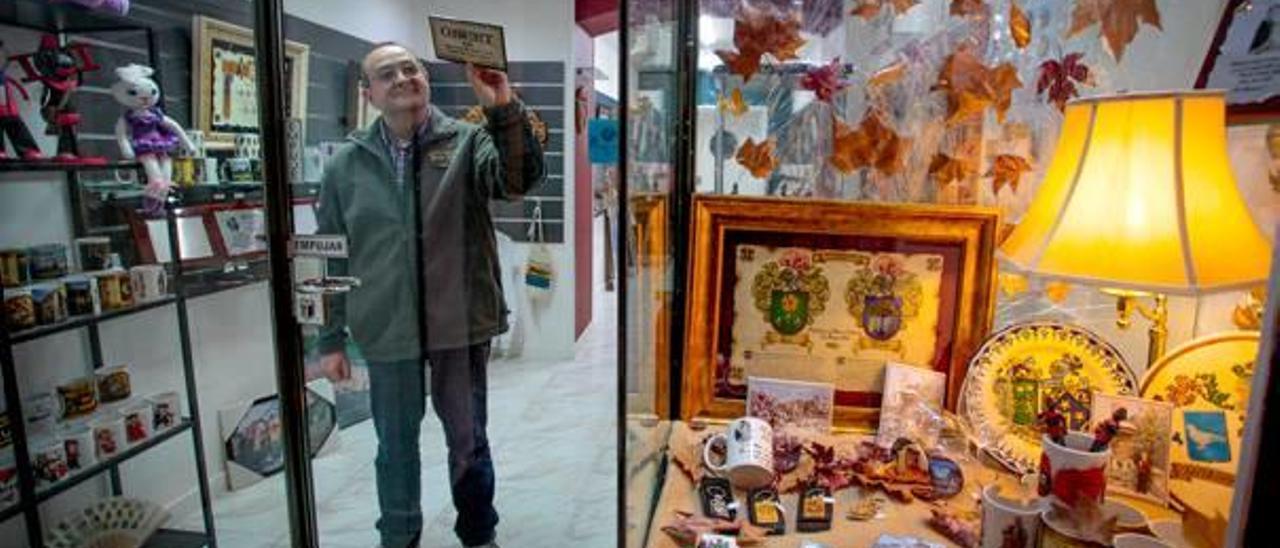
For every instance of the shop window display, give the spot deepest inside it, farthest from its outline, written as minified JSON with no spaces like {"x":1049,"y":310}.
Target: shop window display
{"x":1122,"y":233}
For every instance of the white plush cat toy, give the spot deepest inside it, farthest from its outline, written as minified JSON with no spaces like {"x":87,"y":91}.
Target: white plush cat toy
{"x":145,"y":132}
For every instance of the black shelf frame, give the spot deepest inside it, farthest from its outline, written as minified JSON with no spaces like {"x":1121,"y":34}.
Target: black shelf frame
{"x":64,"y":21}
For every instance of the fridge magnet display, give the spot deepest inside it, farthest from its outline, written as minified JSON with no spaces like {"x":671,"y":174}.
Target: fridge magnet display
{"x":224,"y":81}
{"x":251,"y":434}
{"x":1208,"y":381}
{"x":791,"y":406}
{"x":826,"y":291}
{"x":1026,"y":369}
{"x":716,"y":495}
{"x":764,"y":509}
{"x":913,"y":398}
{"x":1140,"y":448}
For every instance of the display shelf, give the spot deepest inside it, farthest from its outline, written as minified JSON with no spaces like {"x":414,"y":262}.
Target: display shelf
{"x":18,"y":166}
{"x":10,"y":511}
{"x":46,"y":493}
{"x":86,"y":320}
{"x":173,"y":538}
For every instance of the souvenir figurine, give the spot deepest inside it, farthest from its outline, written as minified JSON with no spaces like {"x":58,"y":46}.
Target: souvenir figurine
{"x":1107,"y":430}
{"x":60,"y":68}
{"x":11,"y":124}
{"x":1053,"y":424}
{"x":145,"y":132}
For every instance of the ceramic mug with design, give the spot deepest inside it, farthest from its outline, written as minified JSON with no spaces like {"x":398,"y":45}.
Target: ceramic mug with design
{"x":1007,"y":522}
{"x":1071,"y":473}
{"x":748,"y":458}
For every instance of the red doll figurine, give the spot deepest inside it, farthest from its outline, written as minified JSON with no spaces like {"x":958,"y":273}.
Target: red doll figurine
{"x":1052,"y":423}
{"x":11,"y":124}
{"x":59,"y":68}
{"x":1107,"y":430}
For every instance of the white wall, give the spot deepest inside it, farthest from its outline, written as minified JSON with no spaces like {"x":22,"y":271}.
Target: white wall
{"x":536,"y":30}
{"x":372,"y":20}
{"x":607,"y":61}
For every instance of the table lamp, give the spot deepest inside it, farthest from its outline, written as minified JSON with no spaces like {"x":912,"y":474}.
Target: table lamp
{"x":1140,"y":200}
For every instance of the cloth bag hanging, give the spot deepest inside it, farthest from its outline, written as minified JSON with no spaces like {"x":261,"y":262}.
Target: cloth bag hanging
{"x":539,"y":272}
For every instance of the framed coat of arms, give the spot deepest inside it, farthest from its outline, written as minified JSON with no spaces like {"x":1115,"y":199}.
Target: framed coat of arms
{"x":828,"y":291}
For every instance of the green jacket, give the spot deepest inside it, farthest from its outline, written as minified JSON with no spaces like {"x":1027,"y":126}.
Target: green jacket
{"x":463,"y":167}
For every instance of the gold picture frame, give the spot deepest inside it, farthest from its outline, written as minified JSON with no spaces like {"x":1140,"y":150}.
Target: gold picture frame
{"x":941,"y":258}
{"x":224,"y":68}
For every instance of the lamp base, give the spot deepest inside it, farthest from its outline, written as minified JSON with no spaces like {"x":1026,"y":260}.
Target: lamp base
{"x":1127,"y":301}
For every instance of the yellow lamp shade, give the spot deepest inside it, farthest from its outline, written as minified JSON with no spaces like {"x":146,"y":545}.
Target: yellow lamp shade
{"x":1140,"y":195}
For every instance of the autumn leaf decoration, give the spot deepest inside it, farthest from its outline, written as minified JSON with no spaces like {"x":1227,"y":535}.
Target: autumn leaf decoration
{"x":868,"y":9}
{"x":1119,"y":20}
{"x":944,"y":169}
{"x":1007,"y":170}
{"x":733,"y":103}
{"x":972,"y":86}
{"x":872,"y":145}
{"x":964,"y":8}
{"x":1019,"y":26}
{"x":1059,"y":77}
{"x":757,"y":32}
{"x":825,"y":80}
{"x":889,"y":74}
{"x":758,"y":158}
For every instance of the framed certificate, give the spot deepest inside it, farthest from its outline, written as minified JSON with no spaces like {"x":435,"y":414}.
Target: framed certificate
{"x":1244,"y":59}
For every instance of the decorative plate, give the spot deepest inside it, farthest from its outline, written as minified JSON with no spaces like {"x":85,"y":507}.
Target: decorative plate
{"x":1207,"y":380}
{"x":1024,"y":367}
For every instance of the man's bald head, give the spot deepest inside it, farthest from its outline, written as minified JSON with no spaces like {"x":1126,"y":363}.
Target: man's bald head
{"x":394,"y":79}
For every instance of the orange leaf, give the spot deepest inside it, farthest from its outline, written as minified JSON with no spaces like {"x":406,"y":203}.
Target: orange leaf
{"x":872,"y":145}
{"x":1057,"y":292}
{"x":745,"y":64}
{"x":868,"y":9}
{"x":945,"y":169}
{"x":1019,"y":25}
{"x":971,"y":86}
{"x":757,"y":32}
{"x":733,"y":104}
{"x":1007,"y":169}
{"x":1119,"y":20}
{"x":887,"y":75}
{"x":758,"y":158}
{"x":962,"y":8}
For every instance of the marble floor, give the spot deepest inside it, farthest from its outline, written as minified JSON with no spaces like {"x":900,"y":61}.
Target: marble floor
{"x":552,"y":426}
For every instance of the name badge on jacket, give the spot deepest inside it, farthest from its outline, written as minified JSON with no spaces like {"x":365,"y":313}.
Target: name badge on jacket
{"x":440,"y":157}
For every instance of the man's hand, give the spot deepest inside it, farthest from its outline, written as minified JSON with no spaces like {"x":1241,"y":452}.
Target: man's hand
{"x":491,"y":86}
{"x":335,"y":366}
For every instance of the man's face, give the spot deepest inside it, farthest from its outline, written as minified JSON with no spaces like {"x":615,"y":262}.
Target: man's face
{"x":396,"y":80}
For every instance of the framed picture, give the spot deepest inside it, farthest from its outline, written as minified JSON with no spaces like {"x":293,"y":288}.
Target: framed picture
{"x":253,"y":442}
{"x":829,"y":291}
{"x":791,"y":405}
{"x":210,"y":234}
{"x":224,"y":81}
{"x":1244,"y":59}
{"x":1140,"y":451}
{"x":910,"y":392}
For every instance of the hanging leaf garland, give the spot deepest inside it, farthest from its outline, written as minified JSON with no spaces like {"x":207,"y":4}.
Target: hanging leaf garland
{"x":945,"y":168}
{"x":824,"y":81}
{"x":757,"y":32}
{"x":758,"y":158}
{"x":971,"y":86}
{"x":1118,"y":19}
{"x":1019,"y":25}
{"x":1007,"y":170}
{"x":869,"y":9}
{"x":873,"y":145}
{"x":965,"y":8}
{"x":1058,"y":77}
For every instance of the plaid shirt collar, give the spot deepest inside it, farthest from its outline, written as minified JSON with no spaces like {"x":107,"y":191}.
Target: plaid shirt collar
{"x":399,"y":149}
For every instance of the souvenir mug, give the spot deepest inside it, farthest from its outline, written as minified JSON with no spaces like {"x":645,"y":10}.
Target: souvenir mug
{"x":1071,"y":473}
{"x":197,"y":142}
{"x":164,"y":410}
{"x":78,"y":397}
{"x":137,"y":422}
{"x":115,"y":289}
{"x":19,"y":308}
{"x":150,"y":282}
{"x":247,"y":145}
{"x":209,"y":171}
{"x":48,"y":261}
{"x":14,"y":267}
{"x":94,"y":253}
{"x":1009,"y":523}
{"x":748,"y":453}
{"x":77,"y":445}
{"x":108,"y":435}
{"x":184,"y":171}
{"x":239,"y":170}
{"x":50,"y":301}
{"x":82,"y":295}
{"x":113,"y":384}
{"x":41,"y":413}
{"x":8,"y":478}
{"x":49,"y":461}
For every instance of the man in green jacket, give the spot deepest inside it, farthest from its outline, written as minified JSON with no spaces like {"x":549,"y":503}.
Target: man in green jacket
{"x":417,"y":173}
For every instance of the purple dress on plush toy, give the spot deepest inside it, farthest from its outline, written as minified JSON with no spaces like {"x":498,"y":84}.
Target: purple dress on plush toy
{"x":149,"y":133}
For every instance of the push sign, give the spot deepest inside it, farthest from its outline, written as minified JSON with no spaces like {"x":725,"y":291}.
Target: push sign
{"x":324,"y":247}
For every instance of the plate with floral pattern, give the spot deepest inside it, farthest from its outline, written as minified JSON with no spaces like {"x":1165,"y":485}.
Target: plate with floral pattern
{"x":1024,"y":369}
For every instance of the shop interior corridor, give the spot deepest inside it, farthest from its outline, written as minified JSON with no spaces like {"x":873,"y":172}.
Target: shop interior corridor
{"x":552,"y":428}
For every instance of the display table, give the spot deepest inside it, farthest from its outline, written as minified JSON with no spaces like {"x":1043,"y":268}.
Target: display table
{"x":899,"y":519}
